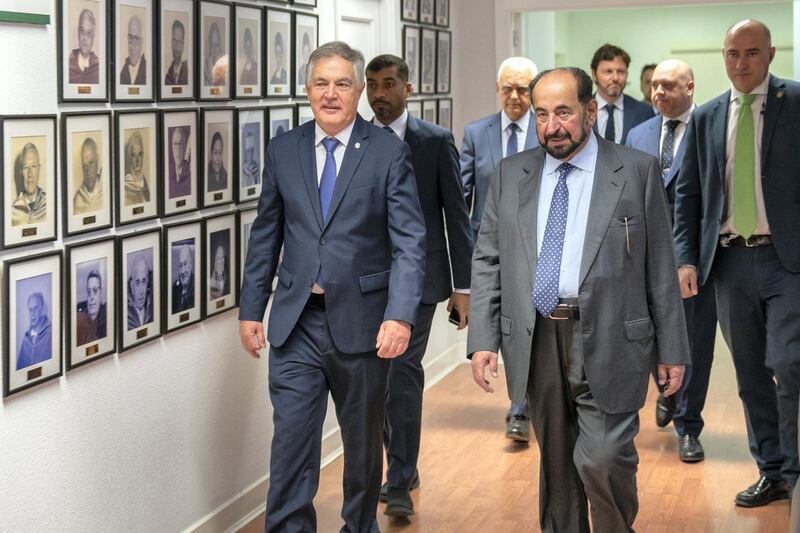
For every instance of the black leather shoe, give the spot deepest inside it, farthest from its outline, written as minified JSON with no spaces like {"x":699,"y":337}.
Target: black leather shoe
{"x":518,"y":429}
{"x":399,"y":503}
{"x":665,"y":408}
{"x":690,"y":450}
{"x":384,"y":495}
{"x":762,"y":492}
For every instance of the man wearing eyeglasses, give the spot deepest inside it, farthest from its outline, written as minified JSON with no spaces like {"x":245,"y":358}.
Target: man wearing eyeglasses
{"x":486,"y":142}
{"x":134,"y":71}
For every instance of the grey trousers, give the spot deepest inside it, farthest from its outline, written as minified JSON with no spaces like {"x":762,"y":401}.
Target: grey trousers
{"x":585,"y":452}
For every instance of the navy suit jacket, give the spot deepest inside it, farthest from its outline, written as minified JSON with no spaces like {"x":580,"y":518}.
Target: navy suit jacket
{"x":371,"y":248}
{"x":647,"y":138}
{"x":481,"y":151}
{"x":435,"y":161}
{"x":634,"y":113}
{"x":699,"y":190}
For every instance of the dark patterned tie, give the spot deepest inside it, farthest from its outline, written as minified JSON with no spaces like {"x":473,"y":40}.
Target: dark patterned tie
{"x":611,"y":129}
{"x":390,"y":130}
{"x":511,"y":146}
{"x":668,"y":148}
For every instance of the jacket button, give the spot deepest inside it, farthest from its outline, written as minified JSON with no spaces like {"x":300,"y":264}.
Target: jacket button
{"x":323,"y":241}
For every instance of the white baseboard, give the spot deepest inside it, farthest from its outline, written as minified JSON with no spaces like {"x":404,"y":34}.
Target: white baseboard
{"x":240,"y":510}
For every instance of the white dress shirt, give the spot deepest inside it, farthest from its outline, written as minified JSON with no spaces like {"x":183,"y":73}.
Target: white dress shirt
{"x":680,"y":129}
{"x":758,"y":106}
{"x":398,"y":126}
{"x":522,"y":130}
{"x":133,"y":71}
{"x":602,"y":116}
{"x":579,"y":184}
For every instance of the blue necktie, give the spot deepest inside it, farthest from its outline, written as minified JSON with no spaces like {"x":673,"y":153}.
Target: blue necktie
{"x":667,"y":149}
{"x":548,"y":265}
{"x":611,"y":130}
{"x":326,"y":183}
{"x":511,"y":146}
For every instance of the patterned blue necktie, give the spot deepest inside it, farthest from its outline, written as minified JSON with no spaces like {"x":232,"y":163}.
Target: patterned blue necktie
{"x":326,"y":183}
{"x":668,"y":148}
{"x":548,"y":265}
{"x":511,"y":146}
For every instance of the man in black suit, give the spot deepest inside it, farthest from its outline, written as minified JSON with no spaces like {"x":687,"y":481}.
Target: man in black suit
{"x":737,"y":219}
{"x":617,"y":113}
{"x":435,"y":161}
{"x":178,"y":70}
{"x":134,"y":71}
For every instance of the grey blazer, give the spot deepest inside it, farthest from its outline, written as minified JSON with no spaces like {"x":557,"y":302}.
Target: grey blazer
{"x":631,"y":311}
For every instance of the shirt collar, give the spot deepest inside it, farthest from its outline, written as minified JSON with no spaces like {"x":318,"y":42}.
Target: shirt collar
{"x":761,"y":88}
{"x":83,"y":62}
{"x":343,"y":136}
{"x":398,"y":126}
{"x":683,"y":118}
{"x":584,"y":160}
{"x":619,"y":103}
{"x":522,"y":122}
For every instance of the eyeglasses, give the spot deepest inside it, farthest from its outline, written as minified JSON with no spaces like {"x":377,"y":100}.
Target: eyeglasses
{"x":134,"y":39}
{"x":521,"y":90}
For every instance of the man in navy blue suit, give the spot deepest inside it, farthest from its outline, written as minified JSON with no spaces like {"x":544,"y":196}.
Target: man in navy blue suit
{"x":663,"y":136}
{"x":617,"y":113}
{"x":339,"y":196}
{"x":435,"y":161}
{"x":488,"y":140}
{"x":737,"y":218}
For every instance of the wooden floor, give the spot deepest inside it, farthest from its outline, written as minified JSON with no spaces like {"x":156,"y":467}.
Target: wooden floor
{"x":474,"y":480}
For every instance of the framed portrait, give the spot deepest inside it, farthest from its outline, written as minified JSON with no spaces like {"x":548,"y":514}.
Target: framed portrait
{"x":411,"y":37}
{"x":183,"y":275}
{"x":139,"y":288}
{"x":426,"y":11}
{"x":429,"y":111}
{"x":414,"y":108}
{"x":220,"y":263}
{"x":443,"y":13}
{"x":310,"y":3}
{"x":281,"y":119}
{"x":249,"y":51}
{"x":442,"y":61}
{"x":278,"y":44}
{"x":179,"y":166}
{"x":304,"y":114}
{"x":428,"y":62}
{"x":28,"y":160}
{"x":246,"y":218}
{"x":136,"y":162}
{"x":90,"y":301}
{"x":252,"y":152}
{"x":218,"y":155}
{"x":446,"y":113}
{"x":306,"y":35}
{"x":409,"y":10}
{"x":87,"y":190}
{"x":32,"y":321}
{"x":215,"y":50}
{"x":132,"y":43}
{"x":82,"y":50}
{"x":176,"y":37}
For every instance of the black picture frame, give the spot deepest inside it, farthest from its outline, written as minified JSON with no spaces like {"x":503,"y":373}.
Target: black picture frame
{"x":90,"y":254}
{"x":221,"y":121}
{"x":412,"y":35}
{"x":442,"y":13}
{"x":219,"y":297}
{"x":252,"y":134}
{"x":37,"y":370}
{"x":409,"y":10}
{"x":426,"y":15}
{"x":134,"y":331}
{"x":247,"y":85}
{"x":429,"y":109}
{"x":177,"y":237}
{"x":414,"y":108}
{"x":75,"y":198}
{"x":126,"y":86}
{"x":280,"y":119}
{"x":177,"y":177}
{"x":177,"y":86}
{"x":137,"y":198}
{"x":427,"y":72}
{"x":278,"y":74}
{"x":444,"y":50}
{"x":444,"y":113}
{"x":302,"y":22}
{"x":21,"y":134}
{"x":208,"y":89}
{"x":79,"y":85}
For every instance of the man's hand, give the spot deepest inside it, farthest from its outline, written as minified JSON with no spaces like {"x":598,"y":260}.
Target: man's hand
{"x":480,"y":360}
{"x":393,"y":338}
{"x":672,"y":376}
{"x":687,"y":277}
{"x":460,"y":302}
{"x":251,"y":334}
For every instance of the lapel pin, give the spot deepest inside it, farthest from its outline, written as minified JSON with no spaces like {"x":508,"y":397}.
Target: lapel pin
{"x":779,"y":94}
{"x":358,"y":145}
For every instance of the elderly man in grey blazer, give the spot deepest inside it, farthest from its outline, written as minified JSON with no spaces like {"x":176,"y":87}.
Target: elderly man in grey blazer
{"x":581,"y":310}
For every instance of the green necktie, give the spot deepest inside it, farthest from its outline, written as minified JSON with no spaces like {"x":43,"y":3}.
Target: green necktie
{"x":744,"y":172}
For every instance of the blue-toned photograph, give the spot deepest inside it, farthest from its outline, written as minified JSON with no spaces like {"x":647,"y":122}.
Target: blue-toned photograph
{"x":91,"y":292}
{"x":250,"y":156}
{"x":139,"y":266}
{"x":182,"y":277}
{"x":219,"y":279}
{"x":279,"y":126}
{"x":34,"y":312}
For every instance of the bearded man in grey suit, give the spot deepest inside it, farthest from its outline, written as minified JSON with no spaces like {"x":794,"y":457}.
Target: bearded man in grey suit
{"x":580,"y":310}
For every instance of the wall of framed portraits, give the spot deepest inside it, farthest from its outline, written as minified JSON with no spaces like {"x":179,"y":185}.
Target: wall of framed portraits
{"x":133,"y":136}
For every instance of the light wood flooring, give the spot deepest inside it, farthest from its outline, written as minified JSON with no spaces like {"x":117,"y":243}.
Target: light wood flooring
{"x":474,"y":480}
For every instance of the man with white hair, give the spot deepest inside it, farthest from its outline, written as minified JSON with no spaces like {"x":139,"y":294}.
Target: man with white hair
{"x":486,"y":142}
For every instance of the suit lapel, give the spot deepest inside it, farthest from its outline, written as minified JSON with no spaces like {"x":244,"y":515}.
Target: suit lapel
{"x":606,"y":190}
{"x":775,"y":95}
{"x":627,"y":116}
{"x":654,"y":139}
{"x":359,"y":140}
{"x":411,"y":136}
{"x":308,"y":167}
{"x":495,"y":136}
{"x":719,"y":128}
{"x":531,"y":140}
{"x":529,"y":205}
